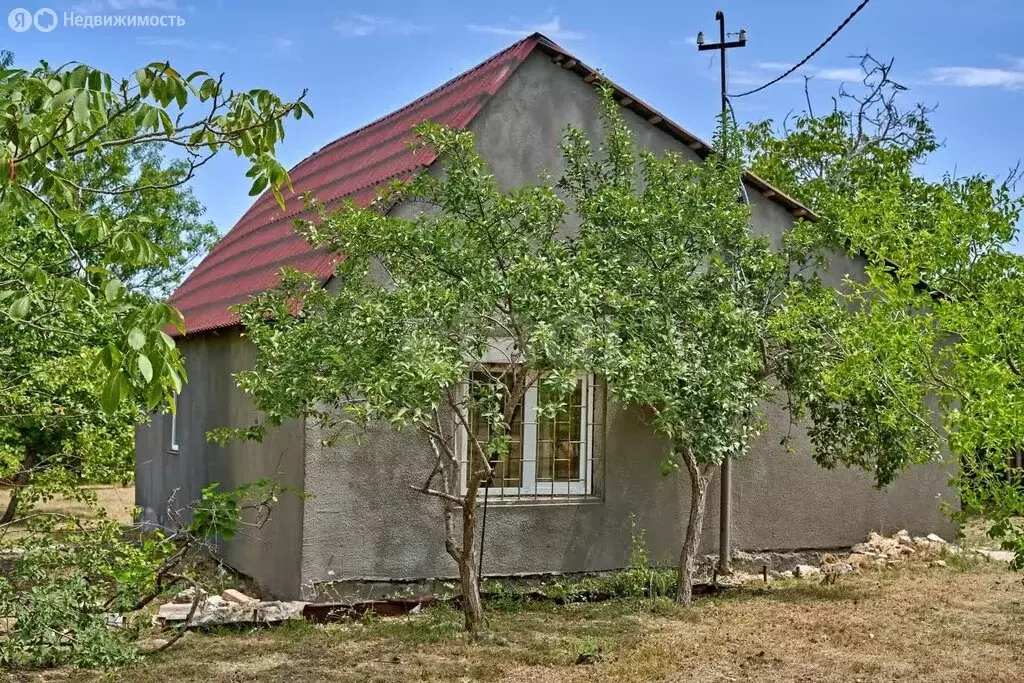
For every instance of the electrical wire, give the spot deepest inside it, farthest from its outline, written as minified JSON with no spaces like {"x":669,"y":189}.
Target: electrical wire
{"x":808,"y":58}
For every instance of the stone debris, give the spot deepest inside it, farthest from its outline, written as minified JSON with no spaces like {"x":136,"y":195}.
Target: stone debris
{"x":188,"y":595}
{"x":803,"y":571}
{"x":877,"y":551}
{"x":880,"y":550}
{"x":217,"y":610}
{"x":237,"y":597}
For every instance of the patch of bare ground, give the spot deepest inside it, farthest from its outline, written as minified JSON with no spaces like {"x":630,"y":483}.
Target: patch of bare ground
{"x":964,"y":622}
{"x":117,"y":501}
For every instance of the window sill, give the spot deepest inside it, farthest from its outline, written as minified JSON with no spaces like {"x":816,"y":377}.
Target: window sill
{"x":173,"y":451}
{"x":531,"y":501}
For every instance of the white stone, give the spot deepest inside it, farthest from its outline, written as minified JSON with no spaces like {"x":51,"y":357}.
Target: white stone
{"x":805,"y":570}
{"x":237,"y":597}
{"x":935,"y":538}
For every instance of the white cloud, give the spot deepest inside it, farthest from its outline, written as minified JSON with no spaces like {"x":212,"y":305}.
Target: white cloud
{"x":980,"y":77}
{"x":839,"y":74}
{"x":362,"y":25}
{"x":552,"y":29}
{"x":283,"y":46}
{"x":198,"y":45}
{"x":95,"y":6}
{"x":845,"y":74}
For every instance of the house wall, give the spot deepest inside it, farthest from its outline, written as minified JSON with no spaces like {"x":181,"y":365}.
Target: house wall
{"x":167,"y":483}
{"x":364,"y":522}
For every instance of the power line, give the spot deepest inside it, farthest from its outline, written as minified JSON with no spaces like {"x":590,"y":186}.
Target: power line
{"x":810,"y":56}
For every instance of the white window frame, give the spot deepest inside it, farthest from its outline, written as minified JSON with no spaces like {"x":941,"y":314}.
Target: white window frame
{"x":530,"y":486}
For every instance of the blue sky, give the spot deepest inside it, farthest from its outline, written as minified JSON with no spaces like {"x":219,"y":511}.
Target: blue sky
{"x":360,"y":60}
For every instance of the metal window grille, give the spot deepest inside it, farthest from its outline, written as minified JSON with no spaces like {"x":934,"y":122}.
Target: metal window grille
{"x":548,"y":457}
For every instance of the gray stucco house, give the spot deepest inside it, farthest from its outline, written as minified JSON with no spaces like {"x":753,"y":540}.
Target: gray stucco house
{"x":361,"y":522}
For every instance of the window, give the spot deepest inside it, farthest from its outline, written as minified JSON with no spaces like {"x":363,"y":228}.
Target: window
{"x":174,"y":431}
{"x":547,"y":456}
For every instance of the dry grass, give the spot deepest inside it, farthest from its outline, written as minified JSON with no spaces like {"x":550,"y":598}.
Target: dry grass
{"x":118,"y":502}
{"x":962,"y":623}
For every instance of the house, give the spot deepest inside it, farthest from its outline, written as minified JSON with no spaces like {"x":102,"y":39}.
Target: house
{"x":360,"y":522}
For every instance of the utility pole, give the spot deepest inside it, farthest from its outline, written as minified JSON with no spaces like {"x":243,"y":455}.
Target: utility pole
{"x":725,"y":483}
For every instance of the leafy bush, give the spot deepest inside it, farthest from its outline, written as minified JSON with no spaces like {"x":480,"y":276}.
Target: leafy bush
{"x":66,"y":579}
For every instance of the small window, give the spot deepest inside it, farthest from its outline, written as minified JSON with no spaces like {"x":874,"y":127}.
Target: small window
{"x":548,"y":457}
{"x":174,"y":431}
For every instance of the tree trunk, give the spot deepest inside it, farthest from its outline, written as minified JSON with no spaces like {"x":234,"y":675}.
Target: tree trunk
{"x":19,"y":481}
{"x":472,"y":604}
{"x":12,"y":506}
{"x":465,"y":556}
{"x":688,"y":555}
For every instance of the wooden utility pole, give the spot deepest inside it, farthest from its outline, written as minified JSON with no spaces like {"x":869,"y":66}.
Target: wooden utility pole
{"x":725,"y":483}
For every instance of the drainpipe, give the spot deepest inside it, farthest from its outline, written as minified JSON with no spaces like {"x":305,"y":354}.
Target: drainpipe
{"x":725,"y":519}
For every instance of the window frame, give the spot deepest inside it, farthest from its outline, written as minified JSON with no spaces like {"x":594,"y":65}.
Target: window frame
{"x":530,"y":488}
{"x":173,"y":445}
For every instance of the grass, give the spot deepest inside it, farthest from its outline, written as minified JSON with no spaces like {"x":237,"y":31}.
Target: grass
{"x":961,"y":623}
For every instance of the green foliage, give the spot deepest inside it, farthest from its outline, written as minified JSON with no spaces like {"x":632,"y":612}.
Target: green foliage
{"x":95,"y":227}
{"x":681,"y":284}
{"x":926,"y":350}
{"x":91,"y":221}
{"x":68,"y":575}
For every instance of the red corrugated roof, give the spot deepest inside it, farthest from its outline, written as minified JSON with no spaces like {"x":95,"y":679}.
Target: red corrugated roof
{"x":249,"y":258}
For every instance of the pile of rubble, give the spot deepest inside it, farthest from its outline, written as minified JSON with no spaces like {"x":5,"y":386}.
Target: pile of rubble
{"x":230,"y":607}
{"x":881,"y":551}
{"x":877,"y":552}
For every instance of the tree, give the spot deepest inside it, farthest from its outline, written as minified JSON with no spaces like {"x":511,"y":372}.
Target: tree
{"x":935,"y":329}
{"x":440,"y":323}
{"x":93,"y":227}
{"x":686,"y":290}
{"x":64,"y":242}
{"x":53,"y":423}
